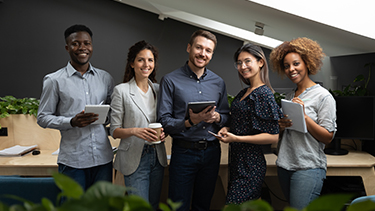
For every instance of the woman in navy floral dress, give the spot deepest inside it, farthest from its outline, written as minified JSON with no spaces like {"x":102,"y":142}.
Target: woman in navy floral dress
{"x":254,"y":121}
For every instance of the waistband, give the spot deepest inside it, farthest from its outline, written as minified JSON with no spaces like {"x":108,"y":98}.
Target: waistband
{"x":200,"y":145}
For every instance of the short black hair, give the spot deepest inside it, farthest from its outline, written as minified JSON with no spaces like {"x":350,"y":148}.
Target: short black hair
{"x":77,"y":28}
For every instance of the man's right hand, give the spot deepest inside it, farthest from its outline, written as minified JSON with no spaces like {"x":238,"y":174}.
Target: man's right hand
{"x":207,"y":115}
{"x":83,"y":119}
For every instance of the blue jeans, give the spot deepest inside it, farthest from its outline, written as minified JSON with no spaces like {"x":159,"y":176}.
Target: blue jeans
{"x":147,"y":180}
{"x":88,"y":176}
{"x":301,"y":187}
{"x":192,"y":176}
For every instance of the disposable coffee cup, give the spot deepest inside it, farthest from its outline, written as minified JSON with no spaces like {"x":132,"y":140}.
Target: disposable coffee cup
{"x":157,"y":127}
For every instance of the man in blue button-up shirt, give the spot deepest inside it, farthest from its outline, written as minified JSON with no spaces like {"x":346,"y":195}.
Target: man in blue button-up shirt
{"x":85,"y":151}
{"x":195,"y":152}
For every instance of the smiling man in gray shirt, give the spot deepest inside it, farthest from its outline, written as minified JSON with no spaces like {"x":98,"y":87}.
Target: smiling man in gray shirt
{"x":85,"y":151}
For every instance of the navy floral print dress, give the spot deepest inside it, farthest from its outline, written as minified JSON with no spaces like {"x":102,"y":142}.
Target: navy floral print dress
{"x":256,"y":113}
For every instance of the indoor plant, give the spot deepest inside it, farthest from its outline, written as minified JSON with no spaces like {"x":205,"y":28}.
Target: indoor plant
{"x":11,"y":105}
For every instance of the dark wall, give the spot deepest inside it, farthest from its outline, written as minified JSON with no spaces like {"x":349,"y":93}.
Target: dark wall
{"x":347,"y":68}
{"x":32,"y":42}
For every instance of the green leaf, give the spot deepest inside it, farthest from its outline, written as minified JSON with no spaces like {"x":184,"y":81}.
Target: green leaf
{"x":232,"y":207}
{"x":47,"y":204}
{"x":137,"y":203}
{"x":104,"y":189}
{"x":359,"y":78}
{"x":258,"y":205}
{"x":362,"y":206}
{"x":69,"y":187}
{"x":174,"y":205}
{"x":164,"y":207}
{"x":329,"y":202}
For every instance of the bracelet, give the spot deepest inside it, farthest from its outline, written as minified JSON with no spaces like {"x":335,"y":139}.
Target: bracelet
{"x":191,"y":123}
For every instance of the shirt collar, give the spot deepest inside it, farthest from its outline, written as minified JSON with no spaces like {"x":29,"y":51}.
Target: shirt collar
{"x":189,"y":72}
{"x":72,"y":71}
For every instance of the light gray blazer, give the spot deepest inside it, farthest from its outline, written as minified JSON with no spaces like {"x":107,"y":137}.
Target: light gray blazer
{"x":127,"y":110}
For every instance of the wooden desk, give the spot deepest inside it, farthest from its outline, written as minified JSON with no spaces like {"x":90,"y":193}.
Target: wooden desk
{"x":30,"y":165}
{"x":355,"y":163}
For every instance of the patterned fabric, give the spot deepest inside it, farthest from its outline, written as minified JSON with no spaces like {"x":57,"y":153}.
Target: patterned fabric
{"x":257,"y":113}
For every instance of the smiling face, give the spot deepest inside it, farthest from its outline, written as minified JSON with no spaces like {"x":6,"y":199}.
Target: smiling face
{"x":248,"y":66}
{"x":79,"y":47}
{"x":143,"y":64}
{"x":200,"y":53}
{"x":295,"y":68}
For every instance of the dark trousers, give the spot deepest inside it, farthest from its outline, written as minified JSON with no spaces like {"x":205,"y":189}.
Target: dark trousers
{"x":192,"y":176}
{"x":88,"y":176}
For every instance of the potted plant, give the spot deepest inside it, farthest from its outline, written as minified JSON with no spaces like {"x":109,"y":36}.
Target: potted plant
{"x":18,"y":124}
{"x":11,"y":105}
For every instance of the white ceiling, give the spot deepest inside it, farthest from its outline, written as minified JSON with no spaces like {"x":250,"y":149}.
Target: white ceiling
{"x":236,"y":18}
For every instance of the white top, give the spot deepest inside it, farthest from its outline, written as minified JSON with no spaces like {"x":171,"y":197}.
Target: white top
{"x":149,"y":100}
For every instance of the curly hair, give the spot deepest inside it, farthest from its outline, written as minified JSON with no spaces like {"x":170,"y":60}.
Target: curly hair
{"x":309,"y":50}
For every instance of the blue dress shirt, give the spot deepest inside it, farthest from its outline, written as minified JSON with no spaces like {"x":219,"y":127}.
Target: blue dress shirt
{"x":182,"y":86}
{"x":65,"y":94}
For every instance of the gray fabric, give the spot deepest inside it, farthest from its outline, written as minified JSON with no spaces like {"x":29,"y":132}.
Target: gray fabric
{"x":65,"y":94}
{"x":301,"y":150}
{"x":128,"y":110}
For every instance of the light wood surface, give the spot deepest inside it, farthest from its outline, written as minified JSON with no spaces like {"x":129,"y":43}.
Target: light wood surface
{"x":23,"y":130}
{"x":355,"y":163}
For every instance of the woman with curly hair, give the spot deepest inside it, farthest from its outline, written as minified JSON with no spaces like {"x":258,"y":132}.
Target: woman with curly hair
{"x":301,"y":161}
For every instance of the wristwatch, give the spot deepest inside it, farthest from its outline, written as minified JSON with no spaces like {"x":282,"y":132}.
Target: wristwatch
{"x":191,"y":123}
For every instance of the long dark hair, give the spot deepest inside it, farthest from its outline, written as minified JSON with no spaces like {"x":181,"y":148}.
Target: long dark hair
{"x":132,"y":54}
{"x":258,"y":53}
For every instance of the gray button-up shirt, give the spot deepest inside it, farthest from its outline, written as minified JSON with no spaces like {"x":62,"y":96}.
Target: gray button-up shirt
{"x":65,"y":94}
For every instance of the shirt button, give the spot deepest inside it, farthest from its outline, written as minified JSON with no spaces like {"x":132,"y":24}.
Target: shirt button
{"x":204,"y":127}
{"x":87,"y":93}
{"x":198,"y":82}
{"x":204,"y":139}
{"x":200,"y":92}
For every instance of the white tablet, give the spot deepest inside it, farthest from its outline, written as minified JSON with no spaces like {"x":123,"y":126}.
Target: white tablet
{"x":102,"y":110}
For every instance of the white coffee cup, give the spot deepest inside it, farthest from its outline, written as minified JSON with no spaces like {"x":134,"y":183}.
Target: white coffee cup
{"x":157,"y":127}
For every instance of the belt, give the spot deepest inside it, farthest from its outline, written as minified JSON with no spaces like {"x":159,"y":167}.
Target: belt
{"x":200,"y":145}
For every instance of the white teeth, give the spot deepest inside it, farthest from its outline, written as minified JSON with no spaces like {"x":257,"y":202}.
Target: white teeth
{"x":294,"y":75}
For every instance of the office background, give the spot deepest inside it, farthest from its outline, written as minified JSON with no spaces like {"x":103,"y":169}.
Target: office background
{"x":32,"y":44}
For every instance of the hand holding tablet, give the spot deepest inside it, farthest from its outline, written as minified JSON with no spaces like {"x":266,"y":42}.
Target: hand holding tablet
{"x":101,"y":110}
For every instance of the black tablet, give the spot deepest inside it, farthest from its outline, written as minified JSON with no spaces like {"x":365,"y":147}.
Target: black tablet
{"x":198,"y":107}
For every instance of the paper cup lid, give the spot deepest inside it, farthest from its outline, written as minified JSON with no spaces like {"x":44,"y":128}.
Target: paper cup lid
{"x":154,"y":125}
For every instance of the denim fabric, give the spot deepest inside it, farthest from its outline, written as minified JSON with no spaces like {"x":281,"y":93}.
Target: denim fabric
{"x":192,"y":176}
{"x":301,"y":187}
{"x":88,"y":176}
{"x":147,"y":180}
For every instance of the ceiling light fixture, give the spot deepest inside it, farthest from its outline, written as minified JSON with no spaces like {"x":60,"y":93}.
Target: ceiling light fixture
{"x":259,"y":28}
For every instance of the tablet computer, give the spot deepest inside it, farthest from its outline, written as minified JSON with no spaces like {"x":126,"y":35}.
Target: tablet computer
{"x":198,"y":107}
{"x":102,"y":110}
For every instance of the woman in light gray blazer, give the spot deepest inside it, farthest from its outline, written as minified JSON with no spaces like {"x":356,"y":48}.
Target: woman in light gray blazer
{"x":133,"y":107}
